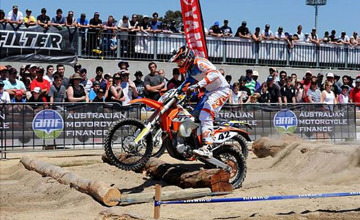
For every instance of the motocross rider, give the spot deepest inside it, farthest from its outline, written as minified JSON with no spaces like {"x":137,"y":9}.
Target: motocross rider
{"x":201,"y":73}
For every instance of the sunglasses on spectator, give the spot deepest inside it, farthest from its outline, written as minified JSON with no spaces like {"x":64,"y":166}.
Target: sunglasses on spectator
{"x":117,"y":78}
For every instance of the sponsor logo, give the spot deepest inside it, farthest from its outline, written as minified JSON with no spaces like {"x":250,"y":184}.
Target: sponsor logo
{"x":48,"y":124}
{"x":285,"y":121}
{"x":188,"y":2}
{"x":30,"y":40}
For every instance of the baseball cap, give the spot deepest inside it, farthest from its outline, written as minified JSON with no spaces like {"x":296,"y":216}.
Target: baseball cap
{"x":83,"y":14}
{"x":3,"y":68}
{"x":28,"y":10}
{"x":15,"y":7}
{"x":36,"y":90}
{"x":249,"y":71}
{"x":216,"y":23}
{"x":124,"y":72}
{"x":100,"y":91}
{"x":32,"y":66}
{"x":96,"y":83}
{"x":345,"y":87}
{"x":19,"y":93}
{"x":43,"y":10}
{"x":138,"y":73}
{"x":308,"y":72}
{"x":267,"y":25}
{"x":270,"y":79}
{"x":83,"y":70}
{"x":242,"y":79}
{"x":255,"y":73}
{"x":145,"y":16}
{"x":272,"y":69}
{"x":330,"y":75}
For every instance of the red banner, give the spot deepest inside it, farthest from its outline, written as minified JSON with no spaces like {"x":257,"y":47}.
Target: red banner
{"x":193,"y":26}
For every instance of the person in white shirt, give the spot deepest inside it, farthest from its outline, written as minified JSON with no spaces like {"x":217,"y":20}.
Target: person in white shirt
{"x":279,"y":35}
{"x":267,"y":34}
{"x":49,"y":74}
{"x":4,"y":96}
{"x":300,"y":34}
{"x":344,"y":39}
{"x":128,"y":87}
{"x":15,"y":16}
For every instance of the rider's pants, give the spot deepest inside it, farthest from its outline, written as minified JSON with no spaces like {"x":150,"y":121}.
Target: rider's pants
{"x":213,"y":102}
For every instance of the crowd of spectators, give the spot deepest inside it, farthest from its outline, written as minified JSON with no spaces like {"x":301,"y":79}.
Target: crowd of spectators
{"x":287,"y":88}
{"x":15,"y":18}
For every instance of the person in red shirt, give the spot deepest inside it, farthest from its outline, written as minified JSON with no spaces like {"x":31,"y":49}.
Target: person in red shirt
{"x":43,"y":84}
{"x":355,"y":93}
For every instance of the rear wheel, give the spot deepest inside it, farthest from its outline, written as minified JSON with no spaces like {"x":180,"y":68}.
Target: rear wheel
{"x":120,"y":142}
{"x":241,"y":143}
{"x":231,"y":156}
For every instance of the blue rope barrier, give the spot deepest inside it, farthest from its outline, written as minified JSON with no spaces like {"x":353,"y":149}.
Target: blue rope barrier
{"x":258,"y":198}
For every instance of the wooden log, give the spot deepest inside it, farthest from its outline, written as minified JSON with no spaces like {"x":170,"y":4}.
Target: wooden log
{"x":182,"y":177}
{"x":99,"y":190}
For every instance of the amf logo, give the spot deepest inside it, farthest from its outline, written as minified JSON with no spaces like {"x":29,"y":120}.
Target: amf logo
{"x":48,"y":124}
{"x":285,"y":121}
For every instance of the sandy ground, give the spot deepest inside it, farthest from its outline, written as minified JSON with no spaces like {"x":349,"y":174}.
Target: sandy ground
{"x":323,"y":169}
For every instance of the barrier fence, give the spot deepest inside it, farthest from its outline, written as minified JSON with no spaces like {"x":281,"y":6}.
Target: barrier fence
{"x":35,"y":126}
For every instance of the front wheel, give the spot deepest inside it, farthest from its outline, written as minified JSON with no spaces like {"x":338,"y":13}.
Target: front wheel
{"x":120,"y":147}
{"x":231,"y":156}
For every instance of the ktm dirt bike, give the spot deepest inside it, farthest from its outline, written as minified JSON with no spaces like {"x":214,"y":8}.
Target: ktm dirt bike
{"x":181,"y":134}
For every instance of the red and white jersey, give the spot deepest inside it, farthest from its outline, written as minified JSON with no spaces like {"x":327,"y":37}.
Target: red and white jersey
{"x":207,"y":76}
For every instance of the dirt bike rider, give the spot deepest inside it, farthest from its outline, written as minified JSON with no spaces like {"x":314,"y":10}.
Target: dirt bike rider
{"x":217,"y":91}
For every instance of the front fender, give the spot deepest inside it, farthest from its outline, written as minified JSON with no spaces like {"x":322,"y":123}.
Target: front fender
{"x":149,"y":102}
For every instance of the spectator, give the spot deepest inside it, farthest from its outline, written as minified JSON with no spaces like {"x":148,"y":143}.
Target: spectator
{"x":307,"y":38}
{"x":95,"y":25}
{"x":43,"y":20}
{"x":123,"y":65}
{"x":313,"y":94}
{"x":337,"y":82}
{"x":281,"y":83}
{"x":140,"y":86}
{"x":99,"y":96}
{"x":245,"y":91}
{"x":57,"y":90}
{"x":18,"y":97}
{"x":274,"y":90}
{"x":32,"y":70}
{"x":87,"y":84}
{"x":279,"y":35}
{"x":174,"y":82}
{"x":215,"y":30}
{"x":314,"y":38}
{"x":94,"y":90}
{"x":243,"y":31}
{"x":155,"y":24}
{"x":347,"y":81}
{"x":3,"y":19}
{"x":222,"y":71}
{"x":173,"y":28}
{"x":344,"y":39}
{"x":328,"y":96}
{"x":153,"y":82}
{"x":4,"y":96}
{"x":49,"y":74}
{"x":344,"y":95}
{"x":250,"y":83}
{"x":288,"y":92}
{"x":15,"y":17}
{"x":128,"y":87}
{"x":77,"y":68}
{"x":26,"y":80}
{"x":12,"y":85}
{"x":161,"y":72}
{"x":354,"y":39}
{"x":235,"y":95}
{"x":114,"y":93}
{"x":273,"y":72}
{"x":39,"y":82}
{"x":82,"y":23}
{"x":134,"y":27}
{"x":330,"y":77}
{"x":300,"y":35}
{"x":294,"y":78}
{"x":145,"y":25}
{"x":76,"y":91}
{"x":257,"y":36}
{"x":109,"y":37}
{"x":228,"y":79}
{"x":320,"y":78}
{"x":226,"y":30}
{"x":326,"y":38}
{"x":60,"y":69}
{"x":255,"y":77}
{"x":307,"y":81}
{"x":299,"y":91}
{"x":125,"y":26}
{"x":267,"y":34}
{"x":355,"y":93}
{"x":70,"y":20}
{"x":58,"y":21}
{"x":333,"y":38}
{"x":29,"y":20}
{"x":265,"y":96}
{"x":99,"y":77}
{"x":36,"y":99}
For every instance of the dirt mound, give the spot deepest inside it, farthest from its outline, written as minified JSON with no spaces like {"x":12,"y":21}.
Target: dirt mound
{"x":316,"y":160}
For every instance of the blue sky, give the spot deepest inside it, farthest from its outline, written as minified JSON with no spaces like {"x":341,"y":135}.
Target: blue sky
{"x":337,"y":14}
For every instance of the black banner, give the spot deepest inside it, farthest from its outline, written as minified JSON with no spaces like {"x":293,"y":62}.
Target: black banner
{"x":36,"y":44}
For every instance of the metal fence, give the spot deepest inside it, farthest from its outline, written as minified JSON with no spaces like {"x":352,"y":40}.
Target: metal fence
{"x":148,"y":46}
{"x":69,"y":126}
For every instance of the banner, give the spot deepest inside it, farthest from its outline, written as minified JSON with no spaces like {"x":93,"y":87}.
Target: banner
{"x":193,"y":26}
{"x":36,"y":44}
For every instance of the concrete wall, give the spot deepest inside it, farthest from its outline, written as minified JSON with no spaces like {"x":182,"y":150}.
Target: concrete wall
{"x":110,"y":66}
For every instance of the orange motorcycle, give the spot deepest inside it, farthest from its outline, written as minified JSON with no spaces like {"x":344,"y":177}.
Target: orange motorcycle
{"x":173,"y":127}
